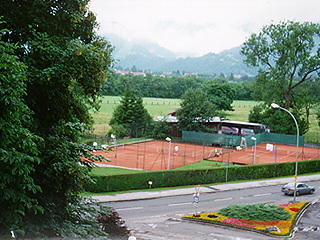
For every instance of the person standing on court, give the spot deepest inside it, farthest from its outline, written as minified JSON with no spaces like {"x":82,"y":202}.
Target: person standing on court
{"x":176,"y":149}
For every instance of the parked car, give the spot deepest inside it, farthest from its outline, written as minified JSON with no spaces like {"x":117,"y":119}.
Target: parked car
{"x":302,"y":188}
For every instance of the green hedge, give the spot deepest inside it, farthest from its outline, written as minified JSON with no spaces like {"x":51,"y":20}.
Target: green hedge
{"x":173,"y":178}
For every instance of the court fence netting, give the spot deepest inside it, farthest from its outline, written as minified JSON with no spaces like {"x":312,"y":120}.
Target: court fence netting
{"x":254,"y":149}
{"x":235,"y":140}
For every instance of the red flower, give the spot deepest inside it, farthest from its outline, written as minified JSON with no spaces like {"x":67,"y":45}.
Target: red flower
{"x":237,"y":222}
{"x":285,"y":205}
{"x":294,"y":209}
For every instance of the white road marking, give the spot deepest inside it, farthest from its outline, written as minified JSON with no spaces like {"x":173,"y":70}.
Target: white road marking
{"x":263,"y":194}
{"x":223,"y":199}
{"x":179,"y":204}
{"x":129,"y":209}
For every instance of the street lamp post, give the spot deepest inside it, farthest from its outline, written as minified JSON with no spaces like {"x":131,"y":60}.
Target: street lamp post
{"x":255,"y":149}
{"x":169,"y":149}
{"x":114,"y":139}
{"x":274,"y":105}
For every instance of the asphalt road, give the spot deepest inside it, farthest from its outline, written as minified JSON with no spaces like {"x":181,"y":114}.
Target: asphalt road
{"x":161,"y":218}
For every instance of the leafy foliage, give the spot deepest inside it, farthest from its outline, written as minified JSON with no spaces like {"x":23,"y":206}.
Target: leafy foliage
{"x":80,"y":222}
{"x":279,"y":121}
{"x":67,"y":66}
{"x":258,"y":212}
{"x":288,"y":57}
{"x":221,"y":94}
{"x":160,"y":130}
{"x":113,"y":224}
{"x":172,"y":87}
{"x":18,"y":146}
{"x":196,"y":108}
{"x":130,"y":115}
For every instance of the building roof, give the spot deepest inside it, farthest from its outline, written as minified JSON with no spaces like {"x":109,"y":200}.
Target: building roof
{"x":170,"y":119}
{"x":241,"y":123}
{"x":174,"y":119}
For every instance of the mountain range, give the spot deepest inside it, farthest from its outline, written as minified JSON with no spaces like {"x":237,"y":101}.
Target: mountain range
{"x":150,"y":56}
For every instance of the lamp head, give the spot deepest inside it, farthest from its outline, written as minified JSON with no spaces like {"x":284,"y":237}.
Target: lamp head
{"x":168,"y":139}
{"x":253,"y":138}
{"x":274,"y":105}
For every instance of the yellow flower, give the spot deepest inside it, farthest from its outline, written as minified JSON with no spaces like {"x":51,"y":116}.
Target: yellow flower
{"x":283,"y":225}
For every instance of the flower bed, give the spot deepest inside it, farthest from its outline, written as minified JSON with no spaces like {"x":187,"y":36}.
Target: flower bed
{"x":281,"y":227}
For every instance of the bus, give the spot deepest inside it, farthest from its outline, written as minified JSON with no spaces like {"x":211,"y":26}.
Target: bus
{"x":242,"y":128}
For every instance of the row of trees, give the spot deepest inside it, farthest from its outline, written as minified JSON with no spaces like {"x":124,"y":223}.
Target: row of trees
{"x":170,"y":87}
{"x":52,"y":68}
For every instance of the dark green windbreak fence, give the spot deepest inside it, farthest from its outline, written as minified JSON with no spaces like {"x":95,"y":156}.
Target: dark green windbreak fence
{"x":234,"y":140}
{"x":211,"y":139}
{"x":283,"y":139}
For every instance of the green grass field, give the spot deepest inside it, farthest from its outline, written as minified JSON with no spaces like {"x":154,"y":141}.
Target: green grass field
{"x":104,"y":171}
{"x":205,"y":164}
{"x":161,"y":107}
{"x":155,"y":107}
{"x":158,"y":107}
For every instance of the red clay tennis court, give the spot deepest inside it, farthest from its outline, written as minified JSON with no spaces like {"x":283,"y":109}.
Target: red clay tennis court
{"x":268,"y":153}
{"x":154,"y":155}
{"x":163,"y":155}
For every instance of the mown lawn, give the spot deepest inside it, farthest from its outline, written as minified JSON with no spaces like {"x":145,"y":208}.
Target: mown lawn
{"x":104,"y":171}
{"x":205,"y":164}
{"x":157,"y":107}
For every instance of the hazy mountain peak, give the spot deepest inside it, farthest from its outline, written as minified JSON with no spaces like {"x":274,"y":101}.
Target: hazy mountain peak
{"x":150,"y":56}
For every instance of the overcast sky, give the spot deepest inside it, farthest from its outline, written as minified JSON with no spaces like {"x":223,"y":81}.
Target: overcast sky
{"x":197,"y":27}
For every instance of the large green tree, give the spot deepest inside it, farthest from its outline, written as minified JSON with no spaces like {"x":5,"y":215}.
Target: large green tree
{"x":221,"y":94}
{"x":278,"y":121}
{"x":66,"y":66}
{"x":196,"y":108}
{"x":18,"y":146}
{"x":288,"y":56}
{"x":130,"y":117}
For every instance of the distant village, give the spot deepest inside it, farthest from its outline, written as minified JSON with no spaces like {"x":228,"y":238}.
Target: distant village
{"x":163,"y":74}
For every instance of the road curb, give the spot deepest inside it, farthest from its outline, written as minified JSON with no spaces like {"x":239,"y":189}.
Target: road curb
{"x":205,"y":189}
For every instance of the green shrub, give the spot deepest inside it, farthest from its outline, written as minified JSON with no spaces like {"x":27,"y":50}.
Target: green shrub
{"x":174,"y":178}
{"x":256,"y":212}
